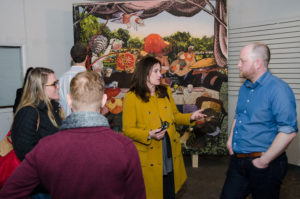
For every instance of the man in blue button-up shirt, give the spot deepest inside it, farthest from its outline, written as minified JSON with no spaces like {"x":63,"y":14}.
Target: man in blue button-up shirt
{"x":264,"y":125}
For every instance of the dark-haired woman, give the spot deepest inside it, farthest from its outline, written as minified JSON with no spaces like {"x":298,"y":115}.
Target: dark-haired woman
{"x":147,"y":105}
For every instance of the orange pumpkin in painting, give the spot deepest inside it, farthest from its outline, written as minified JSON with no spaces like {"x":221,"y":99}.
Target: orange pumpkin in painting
{"x":154,"y":43}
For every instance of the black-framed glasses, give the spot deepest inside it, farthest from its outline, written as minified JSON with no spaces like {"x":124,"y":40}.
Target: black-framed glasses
{"x":55,"y":84}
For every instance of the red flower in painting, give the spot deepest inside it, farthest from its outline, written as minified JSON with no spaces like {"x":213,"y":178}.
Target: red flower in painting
{"x":125,"y":61}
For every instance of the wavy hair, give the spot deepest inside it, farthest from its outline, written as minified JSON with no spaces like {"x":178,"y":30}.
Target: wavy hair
{"x":34,"y":92}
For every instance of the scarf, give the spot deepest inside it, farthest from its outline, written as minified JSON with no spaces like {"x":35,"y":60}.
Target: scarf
{"x":84,"y":119}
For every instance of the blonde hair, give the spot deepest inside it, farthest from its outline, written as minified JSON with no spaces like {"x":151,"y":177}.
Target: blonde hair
{"x":34,"y":92}
{"x":87,"y":90}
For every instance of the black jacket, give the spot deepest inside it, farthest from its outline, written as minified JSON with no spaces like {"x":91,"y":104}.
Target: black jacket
{"x":24,"y":135}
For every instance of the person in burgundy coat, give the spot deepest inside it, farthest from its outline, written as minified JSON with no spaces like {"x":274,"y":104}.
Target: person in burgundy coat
{"x":85,"y":159}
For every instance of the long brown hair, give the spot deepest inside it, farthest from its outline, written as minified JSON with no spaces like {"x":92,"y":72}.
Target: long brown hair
{"x":139,"y":80}
{"x":34,"y":92}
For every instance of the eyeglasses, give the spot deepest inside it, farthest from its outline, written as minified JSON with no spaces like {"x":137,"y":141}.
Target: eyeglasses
{"x":55,"y":84}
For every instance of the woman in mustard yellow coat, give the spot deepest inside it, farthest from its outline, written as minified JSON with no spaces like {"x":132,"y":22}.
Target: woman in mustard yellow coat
{"x":147,"y":105}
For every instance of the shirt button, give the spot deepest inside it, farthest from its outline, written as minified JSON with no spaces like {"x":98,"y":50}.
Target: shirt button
{"x":151,"y":165}
{"x":248,"y":100}
{"x":151,"y":147}
{"x":234,"y":143}
{"x":252,"y":90}
{"x":235,"y":132}
{"x":240,"y":121}
{"x":245,"y":111}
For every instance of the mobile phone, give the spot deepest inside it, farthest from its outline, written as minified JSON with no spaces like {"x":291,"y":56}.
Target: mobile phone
{"x":165,"y":125}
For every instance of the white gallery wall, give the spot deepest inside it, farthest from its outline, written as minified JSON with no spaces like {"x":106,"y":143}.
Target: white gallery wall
{"x":44,"y":30}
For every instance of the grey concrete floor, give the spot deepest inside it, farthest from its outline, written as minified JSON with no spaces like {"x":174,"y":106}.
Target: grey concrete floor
{"x":206,"y":181}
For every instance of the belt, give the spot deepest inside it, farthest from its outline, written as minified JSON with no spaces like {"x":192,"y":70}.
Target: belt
{"x":248,"y":155}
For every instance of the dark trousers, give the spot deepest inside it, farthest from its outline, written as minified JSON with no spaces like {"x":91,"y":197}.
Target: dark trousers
{"x":168,"y":183}
{"x":244,"y":178}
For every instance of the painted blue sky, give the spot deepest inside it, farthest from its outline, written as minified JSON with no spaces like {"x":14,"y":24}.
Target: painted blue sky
{"x":166,"y":24}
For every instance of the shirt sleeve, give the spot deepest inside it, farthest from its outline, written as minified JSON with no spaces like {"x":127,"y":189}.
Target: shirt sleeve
{"x":284,"y":109}
{"x":64,"y":83}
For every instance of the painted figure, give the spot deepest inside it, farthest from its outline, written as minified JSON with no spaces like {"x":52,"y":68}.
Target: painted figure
{"x":99,"y":44}
{"x":130,"y":20}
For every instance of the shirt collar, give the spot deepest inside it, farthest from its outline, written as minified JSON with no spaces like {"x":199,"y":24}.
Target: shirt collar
{"x":78,"y":67}
{"x":84,"y":119}
{"x":259,"y":81}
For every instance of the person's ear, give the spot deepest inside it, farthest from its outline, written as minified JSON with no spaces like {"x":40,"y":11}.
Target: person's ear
{"x":258,"y":63}
{"x":104,"y":99}
{"x":69,"y":100}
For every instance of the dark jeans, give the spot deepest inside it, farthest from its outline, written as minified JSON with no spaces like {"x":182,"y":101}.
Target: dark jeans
{"x":168,"y":183}
{"x":244,"y":178}
{"x":40,"y":196}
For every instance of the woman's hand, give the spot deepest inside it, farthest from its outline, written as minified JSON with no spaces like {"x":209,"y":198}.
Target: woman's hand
{"x":197,"y":115}
{"x":157,"y":134}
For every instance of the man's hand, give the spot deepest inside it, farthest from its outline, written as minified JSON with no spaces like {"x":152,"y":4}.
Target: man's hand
{"x":280,"y":143}
{"x":260,"y":163}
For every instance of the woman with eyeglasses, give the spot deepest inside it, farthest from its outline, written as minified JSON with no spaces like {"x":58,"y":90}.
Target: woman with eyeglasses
{"x":38,"y":114}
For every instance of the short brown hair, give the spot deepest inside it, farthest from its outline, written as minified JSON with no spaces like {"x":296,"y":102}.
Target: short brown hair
{"x":78,"y":53}
{"x":87,"y":90}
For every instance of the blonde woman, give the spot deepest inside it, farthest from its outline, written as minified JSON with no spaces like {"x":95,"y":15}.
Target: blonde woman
{"x":39,"y":100}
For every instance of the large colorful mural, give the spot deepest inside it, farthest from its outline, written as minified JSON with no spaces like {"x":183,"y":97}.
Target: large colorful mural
{"x":189,"y":37}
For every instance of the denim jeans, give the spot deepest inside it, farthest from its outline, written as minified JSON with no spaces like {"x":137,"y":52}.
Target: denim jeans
{"x":244,"y":178}
{"x":40,"y":196}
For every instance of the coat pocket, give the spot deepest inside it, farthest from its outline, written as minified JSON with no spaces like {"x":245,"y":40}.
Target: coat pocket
{"x":143,"y":153}
{"x":176,"y":146}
